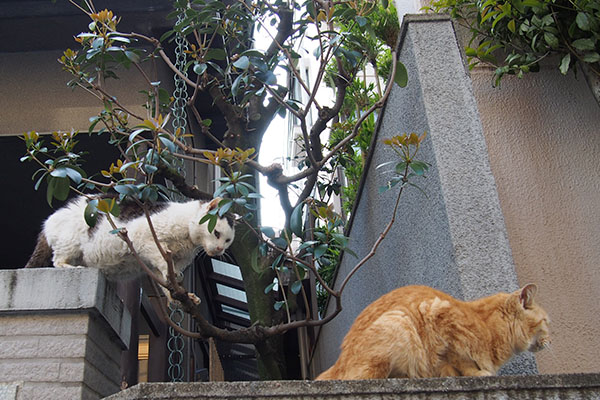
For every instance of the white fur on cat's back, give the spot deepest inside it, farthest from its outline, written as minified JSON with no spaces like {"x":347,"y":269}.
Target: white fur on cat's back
{"x":177,"y":227}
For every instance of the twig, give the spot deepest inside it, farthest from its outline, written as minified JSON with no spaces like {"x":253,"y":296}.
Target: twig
{"x":379,"y":239}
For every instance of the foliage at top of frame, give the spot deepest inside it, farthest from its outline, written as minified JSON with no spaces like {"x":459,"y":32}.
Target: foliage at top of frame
{"x":526,"y":31}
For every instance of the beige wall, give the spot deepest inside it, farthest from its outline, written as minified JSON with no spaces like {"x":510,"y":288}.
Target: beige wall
{"x":34,"y":94}
{"x":543,"y":136}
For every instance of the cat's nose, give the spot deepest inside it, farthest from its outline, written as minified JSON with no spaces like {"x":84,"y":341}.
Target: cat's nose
{"x":219,"y":250}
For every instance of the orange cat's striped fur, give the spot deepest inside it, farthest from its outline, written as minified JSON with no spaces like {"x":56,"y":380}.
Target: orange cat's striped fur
{"x":419,"y":332}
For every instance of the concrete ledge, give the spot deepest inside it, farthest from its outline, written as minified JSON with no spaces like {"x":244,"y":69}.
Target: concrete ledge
{"x":62,"y":332}
{"x":577,"y":386}
{"x":60,"y":290}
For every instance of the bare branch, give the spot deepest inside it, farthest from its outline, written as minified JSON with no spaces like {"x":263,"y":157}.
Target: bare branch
{"x":371,"y":109}
{"x":380,"y":238}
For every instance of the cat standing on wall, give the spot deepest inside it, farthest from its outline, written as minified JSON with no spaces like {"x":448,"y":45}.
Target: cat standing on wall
{"x":67,"y":241}
{"x":420,"y":332}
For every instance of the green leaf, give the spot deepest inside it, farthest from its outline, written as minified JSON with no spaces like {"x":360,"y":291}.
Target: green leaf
{"x":215,"y":54}
{"x":532,"y":3}
{"x":90,"y":214}
{"x":212,"y":223}
{"x":551,"y":39}
{"x":296,"y":286}
{"x":361,"y":21}
{"x":62,"y":187}
{"x":166,"y":35}
{"x":296,"y":220}
{"x":470,"y":52}
{"x":583,"y":44}
{"x":591,"y":57}
{"x":320,"y":250}
{"x":236,"y":85}
{"x":511,"y":25}
{"x":74,"y":175}
{"x":200,"y":68}
{"x":254,"y":256}
{"x":276,"y":262}
{"x":60,"y":172}
{"x":242,"y":63}
{"x":268,"y":231}
{"x":149,"y":169}
{"x":39,"y":181}
{"x":307,"y":244}
{"x":205,"y":218}
{"x":401,"y":77}
{"x":400,"y":168}
{"x":489,"y":15}
{"x":583,"y":21}
{"x":270,"y":287}
{"x":168,"y":144}
{"x":280,"y":242}
{"x":115,"y":209}
{"x":385,"y":188}
{"x":564,"y":64}
{"x":310,"y":8}
{"x":278,"y":304}
{"x":419,"y":167}
{"x":132,"y":56}
{"x":103,"y":206}
{"x":224,"y":206}
{"x":128,"y":190}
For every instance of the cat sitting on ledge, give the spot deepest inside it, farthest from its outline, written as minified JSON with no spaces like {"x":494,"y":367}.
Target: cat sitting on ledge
{"x":67,"y":241}
{"x":420,"y":332}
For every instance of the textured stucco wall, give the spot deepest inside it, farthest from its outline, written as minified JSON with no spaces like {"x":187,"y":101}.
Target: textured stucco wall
{"x":543,"y":136}
{"x":454,"y":239}
{"x":35,"y":96}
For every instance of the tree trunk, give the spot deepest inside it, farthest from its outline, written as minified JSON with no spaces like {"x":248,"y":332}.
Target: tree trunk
{"x":256,"y":271}
{"x":257,"y":275}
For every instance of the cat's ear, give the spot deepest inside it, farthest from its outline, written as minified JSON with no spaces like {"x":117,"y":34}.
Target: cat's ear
{"x":526,"y":295}
{"x":214,"y":203}
{"x":233,"y":219}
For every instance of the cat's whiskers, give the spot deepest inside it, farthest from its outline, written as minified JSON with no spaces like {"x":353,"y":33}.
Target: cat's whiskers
{"x":201,"y":252}
{"x":227,"y":257}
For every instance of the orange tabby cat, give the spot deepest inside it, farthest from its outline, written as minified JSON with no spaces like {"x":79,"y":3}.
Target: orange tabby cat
{"x":420,"y":332}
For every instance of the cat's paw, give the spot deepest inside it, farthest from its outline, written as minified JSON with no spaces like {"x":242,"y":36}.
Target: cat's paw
{"x":195,"y":299}
{"x":65,"y":265}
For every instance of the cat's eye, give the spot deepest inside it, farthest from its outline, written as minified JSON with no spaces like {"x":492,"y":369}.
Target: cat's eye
{"x":227,"y":240}
{"x":217,"y":234}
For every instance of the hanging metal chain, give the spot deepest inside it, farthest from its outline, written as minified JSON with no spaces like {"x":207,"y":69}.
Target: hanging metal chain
{"x":180,"y":94}
{"x":175,"y":346}
{"x":176,"y":343}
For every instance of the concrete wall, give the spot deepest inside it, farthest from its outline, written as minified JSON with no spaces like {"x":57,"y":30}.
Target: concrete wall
{"x":455,"y":238}
{"x":543,"y":137}
{"x":516,"y":167}
{"x":61,"y":334}
{"x":565,"y":387}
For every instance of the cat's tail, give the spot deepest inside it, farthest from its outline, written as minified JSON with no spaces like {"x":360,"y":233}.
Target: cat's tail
{"x":42,"y":254}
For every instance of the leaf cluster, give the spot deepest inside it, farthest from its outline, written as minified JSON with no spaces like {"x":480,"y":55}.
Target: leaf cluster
{"x":103,"y":51}
{"x":524,"y":32}
{"x":60,"y":165}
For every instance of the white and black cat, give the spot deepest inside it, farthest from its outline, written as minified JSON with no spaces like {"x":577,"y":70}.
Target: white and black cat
{"x":67,"y":241}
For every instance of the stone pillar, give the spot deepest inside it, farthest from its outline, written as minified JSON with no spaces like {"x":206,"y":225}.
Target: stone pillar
{"x":454,"y":237}
{"x":61,"y":334}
